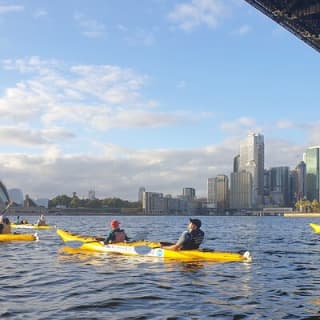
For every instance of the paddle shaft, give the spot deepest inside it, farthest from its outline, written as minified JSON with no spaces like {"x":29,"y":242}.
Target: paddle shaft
{"x":5,"y":209}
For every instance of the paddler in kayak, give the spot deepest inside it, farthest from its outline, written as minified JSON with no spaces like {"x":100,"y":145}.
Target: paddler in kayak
{"x":5,"y":227}
{"x":189,"y":239}
{"x":116,"y":234}
{"x":41,"y":221}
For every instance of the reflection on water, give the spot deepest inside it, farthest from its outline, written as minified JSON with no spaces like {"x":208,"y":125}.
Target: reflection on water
{"x":46,"y":280}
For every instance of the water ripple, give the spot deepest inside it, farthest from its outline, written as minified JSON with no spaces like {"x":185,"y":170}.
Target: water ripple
{"x":45,"y":280}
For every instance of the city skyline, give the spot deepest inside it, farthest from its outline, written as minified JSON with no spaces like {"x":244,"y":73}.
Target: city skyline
{"x":157,"y":93}
{"x":251,"y":148}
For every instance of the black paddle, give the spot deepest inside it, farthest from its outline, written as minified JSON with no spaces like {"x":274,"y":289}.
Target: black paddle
{"x":6,"y":208}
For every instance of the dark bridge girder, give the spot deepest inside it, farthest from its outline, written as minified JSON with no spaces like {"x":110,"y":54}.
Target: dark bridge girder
{"x":301,"y":17}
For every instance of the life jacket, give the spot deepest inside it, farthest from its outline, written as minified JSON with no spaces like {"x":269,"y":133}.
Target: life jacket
{"x":120,"y":236}
{"x":193,"y":240}
{"x":117,"y":235}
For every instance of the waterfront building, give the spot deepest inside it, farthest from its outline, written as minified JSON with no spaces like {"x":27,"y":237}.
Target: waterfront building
{"x":301,"y":170}
{"x":252,"y":161}
{"x":140,"y":194}
{"x":221,"y":192}
{"x":312,"y":160}
{"x":279,"y":186}
{"x":155,"y":203}
{"x":240,"y":190}
{"x":266,"y":187}
{"x":189,"y":193}
{"x":293,"y":185}
{"x":210,"y":191}
{"x":152,"y":203}
{"x":236,"y":163}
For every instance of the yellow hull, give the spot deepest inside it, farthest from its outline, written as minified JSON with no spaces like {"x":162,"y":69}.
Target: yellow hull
{"x":30,"y":226}
{"x":18,"y":237}
{"x":150,"y":249}
{"x":315,"y":227}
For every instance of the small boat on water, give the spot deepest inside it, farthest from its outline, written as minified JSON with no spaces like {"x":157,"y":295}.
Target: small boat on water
{"x":148,"y":249}
{"x":315,"y":227}
{"x":30,"y":226}
{"x":18,"y":237}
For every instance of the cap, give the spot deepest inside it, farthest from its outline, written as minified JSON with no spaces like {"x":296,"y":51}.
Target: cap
{"x":196,"y":222}
{"x":115,"y":223}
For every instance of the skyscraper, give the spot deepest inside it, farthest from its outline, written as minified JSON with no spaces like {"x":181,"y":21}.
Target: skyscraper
{"x":241,"y":190}
{"x":301,"y":177}
{"x":210,"y":190}
{"x":312,"y":160}
{"x":189,"y":193}
{"x":252,"y":161}
{"x":279,"y":185}
{"x":221,"y":192}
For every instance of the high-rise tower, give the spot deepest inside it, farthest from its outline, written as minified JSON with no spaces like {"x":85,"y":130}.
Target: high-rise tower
{"x":252,"y":161}
{"x":312,"y":160}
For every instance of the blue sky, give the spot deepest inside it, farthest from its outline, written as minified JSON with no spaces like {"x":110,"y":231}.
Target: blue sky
{"x":112,"y":95}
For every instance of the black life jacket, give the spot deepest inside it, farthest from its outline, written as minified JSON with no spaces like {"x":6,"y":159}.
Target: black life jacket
{"x":194,"y":239}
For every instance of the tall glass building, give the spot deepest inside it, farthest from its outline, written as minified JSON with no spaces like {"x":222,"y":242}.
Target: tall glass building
{"x":279,"y":185}
{"x":252,"y":161}
{"x":312,"y":160}
{"x":210,"y":190}
{"x":301,"y":180}
{"x":221,"y":192}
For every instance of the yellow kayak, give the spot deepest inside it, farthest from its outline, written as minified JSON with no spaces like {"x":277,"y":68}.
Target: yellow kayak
{"x":30,"y":226}
{"x":18,"y":237}
{"x":315,"y":227}
{"x":148,"y":249}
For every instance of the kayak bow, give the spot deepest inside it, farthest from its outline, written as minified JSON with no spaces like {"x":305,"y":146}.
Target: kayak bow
{"x":315,"y":227}
{"x":149,"y":249}
{"x":30,"y":226}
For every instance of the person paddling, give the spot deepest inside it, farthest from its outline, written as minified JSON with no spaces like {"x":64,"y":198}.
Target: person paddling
{"x":116,"y":234}
{"x":5,"y":227}
{"x":189,"y":239}
{"x":5,"y":224}
{"x":41,"y":221}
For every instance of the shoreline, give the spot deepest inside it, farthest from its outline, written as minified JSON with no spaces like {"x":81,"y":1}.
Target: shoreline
{"x":302,"y":215}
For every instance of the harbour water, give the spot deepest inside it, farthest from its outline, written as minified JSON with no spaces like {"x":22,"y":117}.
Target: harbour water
{"x":43,"y":280}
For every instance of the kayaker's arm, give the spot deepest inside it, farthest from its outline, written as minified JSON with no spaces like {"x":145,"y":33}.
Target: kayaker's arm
{"x":174,"y":247}
{"x":177,"y":246}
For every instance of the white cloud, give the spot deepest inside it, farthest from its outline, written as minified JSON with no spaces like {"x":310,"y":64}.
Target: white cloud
{"x":10,"y":8}
{"x":190,"y":15}
{"x":40,"y":13}
{"x":284,"y":124}
{"x":242,"y":124}
{"x":90,"y":27}
{"x":53,"y":95}
{"x":141,"y":37}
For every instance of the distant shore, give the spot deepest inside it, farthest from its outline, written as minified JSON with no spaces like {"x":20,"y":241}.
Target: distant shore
{"x":302,"y":214}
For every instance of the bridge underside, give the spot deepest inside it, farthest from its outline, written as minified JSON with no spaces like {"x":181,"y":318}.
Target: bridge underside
{"x":301,"y":17}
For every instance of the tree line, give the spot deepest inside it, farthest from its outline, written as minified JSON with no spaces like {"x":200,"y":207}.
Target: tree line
{"x":308,"y":206}
{"x":76,"y":202}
